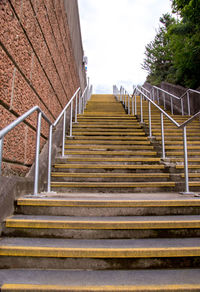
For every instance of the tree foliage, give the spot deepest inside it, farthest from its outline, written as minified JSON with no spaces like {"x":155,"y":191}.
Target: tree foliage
{"x":174,"y":54}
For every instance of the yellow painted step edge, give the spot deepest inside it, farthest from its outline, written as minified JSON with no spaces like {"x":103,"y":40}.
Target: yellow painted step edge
{"x":109,"y":203}
{"x":101,"y":288}
{"x":84,"y":224}
{"x":25,"y":251}
{"x":112,"y":185}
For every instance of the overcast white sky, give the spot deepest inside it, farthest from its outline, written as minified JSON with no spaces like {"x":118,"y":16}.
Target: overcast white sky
{"x":114,"y":34}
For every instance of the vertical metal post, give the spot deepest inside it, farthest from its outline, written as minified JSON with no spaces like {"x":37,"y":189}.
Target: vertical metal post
{"x":188,"y":102}
{"x":132,"y":106}
{"x":71,"y":117}
{"x":141,"y":110}
{"x":63,"y":136}
{"x":135,"y":105}
{"x":164,"y":102}
{"x":162,"y":135}
{"x":187,"y":191}
{"x":1,"y":154}
{"x":172,"y":112}
{"x":120,"y":93}
{"x":76,"y":109}
{"x":37,"y":153}
{"x":79,"y":102}
{"x":158,"y":100}
{"x":182,"y":112}
{"x":129,"y":104}
{"x":150,"y":131}
{"x":49,"y":159}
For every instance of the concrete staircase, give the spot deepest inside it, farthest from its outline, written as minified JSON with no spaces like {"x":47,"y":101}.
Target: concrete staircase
{"x":102,"y":237}
{"x":109,"y":152}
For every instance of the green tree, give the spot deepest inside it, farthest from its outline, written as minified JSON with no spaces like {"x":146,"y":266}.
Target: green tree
{"x":158,"y":55}
{"x":174,"y":54}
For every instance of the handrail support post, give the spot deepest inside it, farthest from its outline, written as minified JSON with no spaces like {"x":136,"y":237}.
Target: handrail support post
{"x":1,"y":154}
{"x":162,"y":135}
{"x":49,"y":159}
{"x":63,"y":135}
{"x":36,"y":178}
{"x":187,"y":191}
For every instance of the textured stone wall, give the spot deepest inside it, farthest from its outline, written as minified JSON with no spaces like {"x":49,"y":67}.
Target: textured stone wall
{"x":37,"y":67}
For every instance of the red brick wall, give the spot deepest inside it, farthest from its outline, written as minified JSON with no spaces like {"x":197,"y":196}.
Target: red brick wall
{"x":37,"y":67}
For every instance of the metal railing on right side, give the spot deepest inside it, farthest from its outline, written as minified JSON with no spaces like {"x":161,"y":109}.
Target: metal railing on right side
{"x":161,"y":95}
{"x":80,"y":103}
{"x":183,"y":126}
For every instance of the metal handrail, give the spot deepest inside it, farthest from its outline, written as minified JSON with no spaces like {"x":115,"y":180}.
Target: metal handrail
{"x":82,"y":102}
{"x":180,"y":98}
{"x":179,"y":126}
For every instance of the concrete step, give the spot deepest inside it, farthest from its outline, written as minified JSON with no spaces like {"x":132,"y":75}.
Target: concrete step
{"x":109,"y":147}
{"x":110,"y":177}
{"x":108,"y":159}
{"x":99,"y":254}
{"x":102,"y":227}
{"x":108,"y":142}
{"x":104,"y":133}
{"x":181,"y":153}
{"x":108,"y":281}
{"x":104,"y":167}
{"x":134,"y":126}
{"x":108,"y":137}
{"x":123,"y":187}
{"x":109,"y":205}
{"x":112,"y":153}
{"x":174,"y":147}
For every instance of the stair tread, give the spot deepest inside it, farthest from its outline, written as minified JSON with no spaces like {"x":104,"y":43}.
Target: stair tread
{"x":105,"y":280}
{"x":21,"y":243}
{"x":131,"y":201}
{"x":117,"y":222}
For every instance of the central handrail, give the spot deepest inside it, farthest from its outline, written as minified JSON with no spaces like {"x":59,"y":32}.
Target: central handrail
{"x":79,"y":98}
{"x":182,"y":126}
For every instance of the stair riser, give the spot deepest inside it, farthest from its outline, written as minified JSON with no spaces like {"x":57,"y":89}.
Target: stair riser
{"x":105,"y":170}
{"x":7,"y":262}
{"x":106,"y":211}
{"x":101,"y":234}
{"x":110,"y":155}
{"x":111,"y":189}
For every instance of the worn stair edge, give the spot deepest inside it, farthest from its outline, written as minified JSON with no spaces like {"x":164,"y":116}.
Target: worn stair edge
{"x":107,"y":203}
{"x":111,"y":225}
{"x":69,"y":252}
{"x":101,"y":288}
{"x":113,"y":185}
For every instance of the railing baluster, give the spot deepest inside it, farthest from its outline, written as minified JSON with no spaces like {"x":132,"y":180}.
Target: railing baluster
{"x":37,"y":154}
{"x":187,"y":191}
{"x":71,"y":117}
{"x":162,"y":135}
{"x":182,"y":112}
{"x":64,"y":133}
{"x":150,"y":131}
{"x":141,"y":109}
{"x":171,"y":106}
{"x":164,"y":102}
{"x":76,"y":109}
{"x":1,"y":154}
{"x":132,"y":106}
{"x":49,"y":159}
{"x":135,"y":104}
{"x":188,"y":102}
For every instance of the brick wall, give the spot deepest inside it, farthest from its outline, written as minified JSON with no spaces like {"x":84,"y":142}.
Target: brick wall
{"x":37,"y":67}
